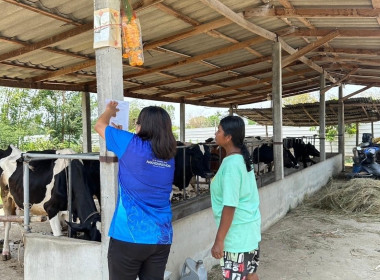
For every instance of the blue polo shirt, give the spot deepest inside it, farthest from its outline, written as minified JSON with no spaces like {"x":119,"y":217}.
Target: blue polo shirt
{"x":143,"y":211}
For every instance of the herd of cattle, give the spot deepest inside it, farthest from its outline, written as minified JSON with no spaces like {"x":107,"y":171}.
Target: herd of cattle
{"x":48,"y":182}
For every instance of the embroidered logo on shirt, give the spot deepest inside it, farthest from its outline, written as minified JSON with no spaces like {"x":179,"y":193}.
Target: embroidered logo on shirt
{"x":158,"y":163}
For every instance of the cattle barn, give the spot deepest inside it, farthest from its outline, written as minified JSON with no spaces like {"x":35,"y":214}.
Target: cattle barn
{"x":216,"y":53}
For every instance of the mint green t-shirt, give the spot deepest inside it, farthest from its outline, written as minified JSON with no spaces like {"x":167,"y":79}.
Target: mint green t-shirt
{"x":234,"y":186}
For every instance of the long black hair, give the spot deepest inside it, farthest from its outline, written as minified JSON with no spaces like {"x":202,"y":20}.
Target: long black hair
{"x":156,"y":126}
{"x":234,"y":126}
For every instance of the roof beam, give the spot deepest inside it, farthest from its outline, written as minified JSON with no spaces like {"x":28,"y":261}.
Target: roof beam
{"x":252,"y":41}
{"x":289,"y":59}
{"x":238,"y":19}
{"x":37,"y":7}
{"x":355,"y":93}
{"x":324,"y":50}
{"x":324,"y":90}
{"x":65,"y":70}
{"x":202,"y":74}
{"x":376,"y":5}
{"x":227,"y":12}
{"x":312,"y":13}
{"x":46,"y":42}
{"x":251,"y":83}
{"x":365,"y":33}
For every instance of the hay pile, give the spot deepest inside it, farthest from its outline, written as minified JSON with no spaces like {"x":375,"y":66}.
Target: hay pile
{"x":357,"y":196}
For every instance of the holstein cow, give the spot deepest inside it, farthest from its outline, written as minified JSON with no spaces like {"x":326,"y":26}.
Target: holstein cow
{"x":303,"y":152}
{"x":264,"y":154}
{"x":48,"y":192}
{"x":197,"y":162}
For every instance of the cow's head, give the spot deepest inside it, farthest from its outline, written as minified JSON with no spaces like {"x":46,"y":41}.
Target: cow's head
{"x":311,"y":150}
{"x":89,"y":229}
{"x":200,"y":160}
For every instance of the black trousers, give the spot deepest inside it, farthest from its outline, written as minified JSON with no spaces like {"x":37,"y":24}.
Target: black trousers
{"x":127,"y":260}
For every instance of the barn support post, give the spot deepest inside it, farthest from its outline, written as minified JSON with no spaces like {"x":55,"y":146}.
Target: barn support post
{"x":182,"y":123}
{"x":277,"y":112}
{"x":372,"y":130}
{"x":341,"y":126}
{"x":86,"y":122}
{"x":109,"y":74}
{"x":231,"y":111}
{"x":357,"y":134}
{"x":25,"y":165}
{"x":322,"y":118}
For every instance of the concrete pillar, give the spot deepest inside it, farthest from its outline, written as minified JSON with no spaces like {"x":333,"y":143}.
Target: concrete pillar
{"x":86,"y":122}
{"x":341,"y":126}
{"x":277,"y":112}
{"x":109,"y":74}
{"x":182,"y":123}
{"x":322,"y":119}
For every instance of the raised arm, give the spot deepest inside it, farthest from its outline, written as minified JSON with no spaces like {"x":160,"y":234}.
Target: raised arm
{"x":104,"y":119}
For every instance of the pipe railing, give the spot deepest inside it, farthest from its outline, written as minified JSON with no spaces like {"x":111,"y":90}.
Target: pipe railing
{"x":28,"y":157}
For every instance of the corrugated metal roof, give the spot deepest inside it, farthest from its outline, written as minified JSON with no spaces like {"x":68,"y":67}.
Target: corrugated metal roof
{"x":356,"y":110}
{"x":208,"y":62}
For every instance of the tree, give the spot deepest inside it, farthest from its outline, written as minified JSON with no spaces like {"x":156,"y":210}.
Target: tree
{"x":301,"y":98}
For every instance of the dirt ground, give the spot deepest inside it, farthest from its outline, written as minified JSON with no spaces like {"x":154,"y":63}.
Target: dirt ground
{"x":307,"y":244}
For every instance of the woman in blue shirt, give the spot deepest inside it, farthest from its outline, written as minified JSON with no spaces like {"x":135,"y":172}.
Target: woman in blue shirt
{"x":235,"y":204}
{"x":141,"y":229}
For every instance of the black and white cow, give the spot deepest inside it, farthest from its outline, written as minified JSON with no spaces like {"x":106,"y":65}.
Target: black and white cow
{"x":48,"y":192}
{"x":264,"y":154}
{"x":303,"y":152}
{"x":197,"y":162}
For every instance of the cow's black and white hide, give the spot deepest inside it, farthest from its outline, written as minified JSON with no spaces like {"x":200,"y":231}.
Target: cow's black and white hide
{"x":303,"y":152}
{"x":264,"y":154}
{"x":47,"y":192}
{"x":197,"y":162}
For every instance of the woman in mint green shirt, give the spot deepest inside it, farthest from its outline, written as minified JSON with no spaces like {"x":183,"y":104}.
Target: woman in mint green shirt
{"x":235,"y":204}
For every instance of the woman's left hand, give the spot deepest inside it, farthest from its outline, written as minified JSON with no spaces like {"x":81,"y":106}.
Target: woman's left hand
{"x":217,"y":250}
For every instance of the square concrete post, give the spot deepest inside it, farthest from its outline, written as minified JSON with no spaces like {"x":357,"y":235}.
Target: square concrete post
{"x":341,"y":126}
{"x":322,"y":118}
{"x":277,"y":112}
{"x":86,"y":122}
{"x":109,"y":74}
{"x":182,"y":123}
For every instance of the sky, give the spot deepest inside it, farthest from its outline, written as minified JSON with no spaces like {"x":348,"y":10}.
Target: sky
{"x":192,"y":111}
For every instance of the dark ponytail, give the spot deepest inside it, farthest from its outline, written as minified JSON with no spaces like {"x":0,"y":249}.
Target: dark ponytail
{"x":234,"y":126}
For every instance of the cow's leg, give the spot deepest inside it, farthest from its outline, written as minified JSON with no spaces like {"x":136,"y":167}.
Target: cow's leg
{"x":55,"y":224}
{"x":9,"y":209}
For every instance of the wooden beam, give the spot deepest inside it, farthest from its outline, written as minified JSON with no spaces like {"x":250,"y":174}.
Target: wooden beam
{"x":201,"y":74}
{"x":312,"y":13}
{"x":186,"y":34}
{"x":289,"y":59}
{"x":376,"y":5}
{"x":227,"y":12}
{"x":39,"y":85}
{"x":310,"y":116}
{"x":144,"y":4}
{"x":65,"y":70}
{"x":355,"y":93}
{"x":37,"y":7}
{"x":175,"y":90}
{"x":46,"y":42}
{"x":325,"y":50}
{"x":251,"y":83}
{"x":238,"y":19}
{"x":364,"y":33}
{"x":324,"y":90}
{"x":252,"y":41}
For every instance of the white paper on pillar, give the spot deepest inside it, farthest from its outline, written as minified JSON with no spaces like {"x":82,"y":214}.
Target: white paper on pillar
{"x":122,"y":117}
{"x":107,"y":30}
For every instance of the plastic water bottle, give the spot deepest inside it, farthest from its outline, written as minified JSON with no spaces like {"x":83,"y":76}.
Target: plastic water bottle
{"x":193,"y":270}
